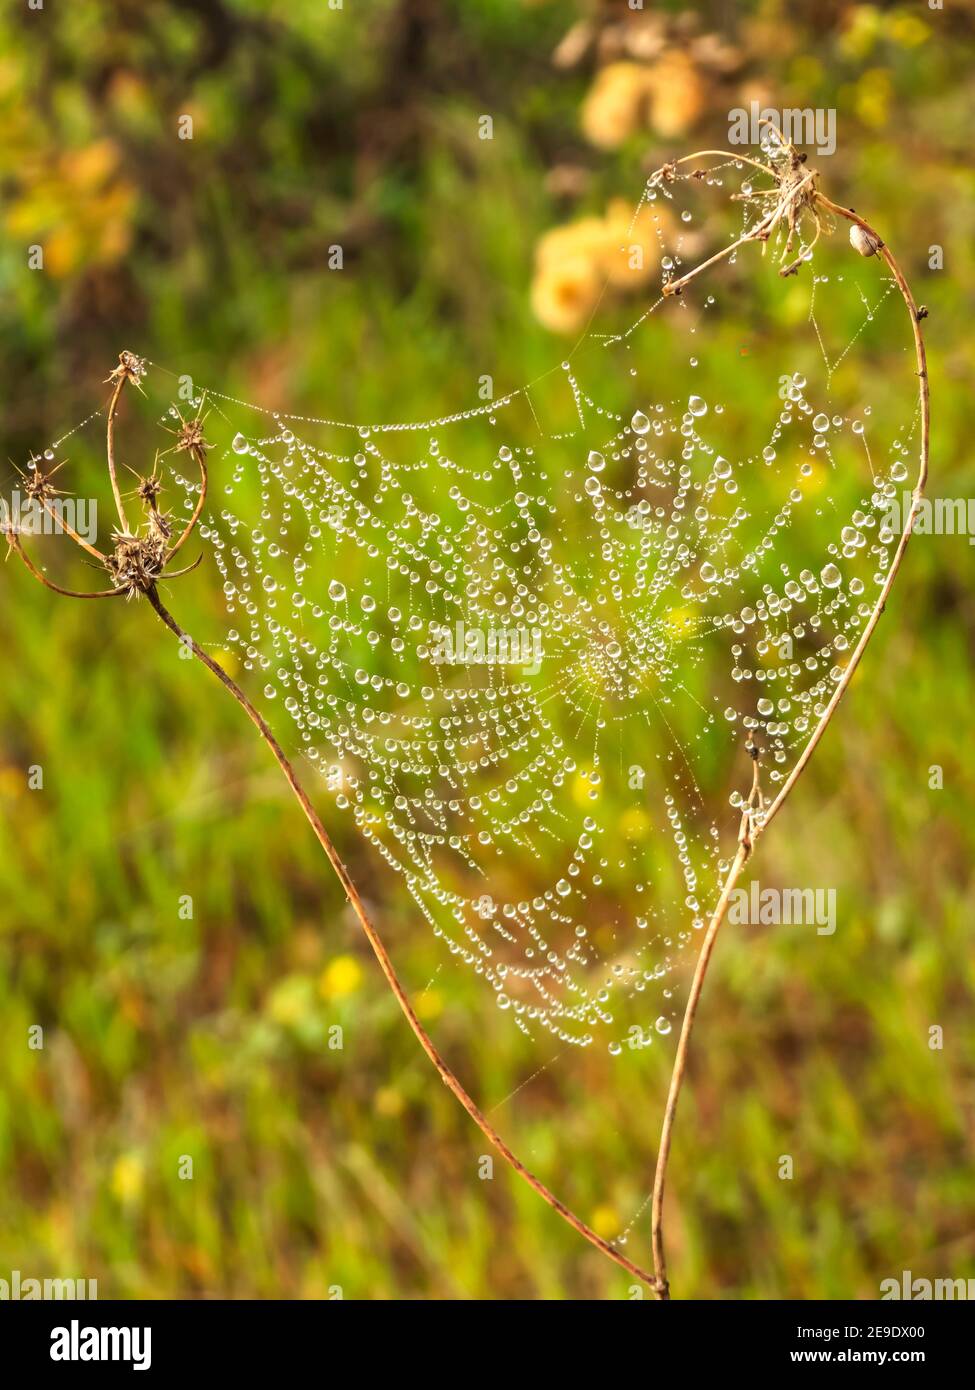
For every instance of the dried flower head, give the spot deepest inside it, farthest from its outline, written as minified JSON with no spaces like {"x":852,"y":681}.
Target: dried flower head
{"x":190,"y":436}
{"x":130,"y":368}
{"x":37,"y":483}
{"x":149,"y":489}
{"x":136,"y":562}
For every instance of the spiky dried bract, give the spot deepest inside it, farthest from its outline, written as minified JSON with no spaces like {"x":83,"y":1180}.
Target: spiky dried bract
{"x":38,"y":485}
{"x":190,"y":436}
{"x":137,"y":561}
{"x":149,"y":489}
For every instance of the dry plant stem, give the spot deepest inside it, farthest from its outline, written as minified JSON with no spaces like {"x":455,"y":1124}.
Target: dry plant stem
{"x":14,"y":540}
{"x":382,"y":955}
{"x":150,"y":591}
{"x":110,"y":451}
{"x":922,"y":477}
{"x":680,"y":1064}
{"x":70,"y":531}
{"x":753,"y":827}
{"x":190,"y":526}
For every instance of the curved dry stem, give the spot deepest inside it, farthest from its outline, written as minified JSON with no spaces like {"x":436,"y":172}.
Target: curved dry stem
{"x":14,"y":541}
{"x":922,"y":477}
{"x":382,"y":955}
{"x":110,"y":452}
{"x":70,"y":531}
{"x":680,"y":1066}
{"x":200,"y":456}
{"x":718,"y":154}
{"x":756,"y":821}
{"x":187,"y":569}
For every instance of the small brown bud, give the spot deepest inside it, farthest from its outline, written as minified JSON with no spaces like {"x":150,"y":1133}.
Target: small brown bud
{"x":863,"y":241}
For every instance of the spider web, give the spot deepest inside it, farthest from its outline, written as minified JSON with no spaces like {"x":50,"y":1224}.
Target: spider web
{"x":476,"y":634}
{"x":525,"y":647}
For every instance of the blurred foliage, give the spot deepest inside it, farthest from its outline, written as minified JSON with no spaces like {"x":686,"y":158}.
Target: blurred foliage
{"x":315,"y":127}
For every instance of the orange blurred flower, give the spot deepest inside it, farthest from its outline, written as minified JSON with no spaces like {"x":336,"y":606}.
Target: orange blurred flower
{"x":574,"y":263}
{"x":616,"y":104}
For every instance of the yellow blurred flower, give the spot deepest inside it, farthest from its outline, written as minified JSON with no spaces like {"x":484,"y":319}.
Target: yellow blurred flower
{"x":634,"y":824}
{"x":565,"y":293}
{"x":668,"y":96}
{"x":582,"y":790}
{"x":574,"y":263}
{"x":130,"y":97}
{"x":62,"y":250}
{"x":341,"y":977}
{"x":678,"y":94}
{"x":861,"y":31}
{"x":89,"y":167}
{"x":615,"y":105}
{"x":228,"y":660}
{"x":429,"y":1005}
{"x":290,"y":1001}
{"x":873,"y":95}
{"x":805,"y":72}
{"x":388,"y":1102}
{"x":583,"y":237}
{"x":12,"y":781}
{"x":630,"y":249}
{"x":908,"y":31}
{"x":127,"y":1177}
{"x":605,"y":1222}
{"x":78,"y":208}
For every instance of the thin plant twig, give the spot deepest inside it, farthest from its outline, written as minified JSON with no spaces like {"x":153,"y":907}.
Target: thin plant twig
{"x":382,"y":955}
{"x":756,"y":820}
{"x":138,"y":565}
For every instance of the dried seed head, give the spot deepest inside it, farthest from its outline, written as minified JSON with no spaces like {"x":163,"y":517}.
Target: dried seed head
{"x":130,"y":368}
{"x":136,"y":562}
{"x":190,"y":436}
{"x":38,"y":485}
{"x":863,"y":241}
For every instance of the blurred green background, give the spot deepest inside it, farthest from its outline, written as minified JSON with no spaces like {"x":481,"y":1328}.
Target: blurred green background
{"x":358,"y":127}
